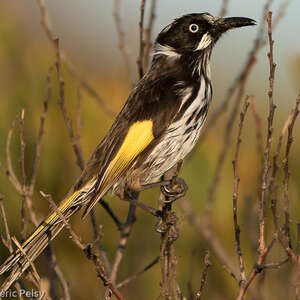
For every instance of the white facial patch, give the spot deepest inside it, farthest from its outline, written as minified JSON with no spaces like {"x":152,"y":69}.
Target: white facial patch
{"x":165,"y":50}
{"x":205,"y":42}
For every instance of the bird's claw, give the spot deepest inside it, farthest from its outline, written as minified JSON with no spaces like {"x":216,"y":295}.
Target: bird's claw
{"x":175,"y":190}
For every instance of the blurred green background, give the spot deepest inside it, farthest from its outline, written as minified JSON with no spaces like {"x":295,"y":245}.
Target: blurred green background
{"x":88,"y":36}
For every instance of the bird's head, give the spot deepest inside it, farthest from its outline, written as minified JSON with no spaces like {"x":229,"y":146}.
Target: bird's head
{"x":195,"y":32}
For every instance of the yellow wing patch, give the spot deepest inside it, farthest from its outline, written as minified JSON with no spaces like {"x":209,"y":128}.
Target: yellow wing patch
{"x":139,"y":136}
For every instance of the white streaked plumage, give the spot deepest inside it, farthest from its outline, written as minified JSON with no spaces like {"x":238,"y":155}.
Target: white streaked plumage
{"x":165,"y":50}
{"x":205,"y":42}
{"x":175,"y":141}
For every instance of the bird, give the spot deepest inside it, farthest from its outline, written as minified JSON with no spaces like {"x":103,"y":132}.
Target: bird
{"x":157,"y":127}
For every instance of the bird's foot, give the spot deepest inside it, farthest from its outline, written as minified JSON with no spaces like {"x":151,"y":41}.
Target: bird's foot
{"x":176,"y":189}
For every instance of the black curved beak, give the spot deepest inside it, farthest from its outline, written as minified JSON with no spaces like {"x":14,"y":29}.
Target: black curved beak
{"x":224,"y":24}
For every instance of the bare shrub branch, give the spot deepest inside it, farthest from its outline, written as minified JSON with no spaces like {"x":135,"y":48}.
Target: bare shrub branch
{"x":235,"y":191}
{"x":46,"y":24}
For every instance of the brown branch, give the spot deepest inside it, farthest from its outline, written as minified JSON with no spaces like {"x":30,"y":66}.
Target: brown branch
{"x":121,"y":37}
{"x":77,"y":240}
{"x":46,"y":24}
{"x":141,"y":38}
{"x":148,"y":35}
{"x":277,"y":265}
{"x":263,"y":250}
{"x":97,"y":239}
{"x":61,"y":102}
{"x":22,"y":152}
{"x":59,"y":274}
{"x":34,"y":271}
{"x":224,"y":8}
{"x":75,"y":138}
{"x":88,"y":251}
{"x":273,"y":185}
{"x":240,"y":84}
{"x":286,"y":201}
{"x":235,"y":191}
{"x":204,"y":228}
{"x":224,"y":149}
{"x":27,"y":190}
{"x":258,"y":268}
{"x":243,"y":76}
{"x":23,"y":175}
{"x":6,"y":242}
{"x":132,"y":278}
{"x":40,"y":135}
{"x":298,"y":239}
{"x":124,"y":237}
{"x":207,"y":264}
{"x":259,"y":135}
{"x":79,"y":125}
{"x":107,"y":208}
{"x":167,"y":227}
{"x":10,"y":171}
{"x":125,"y":233}
{"x":147,"y":208}
{"x":266,"y":163}
{"x":281,"y":12}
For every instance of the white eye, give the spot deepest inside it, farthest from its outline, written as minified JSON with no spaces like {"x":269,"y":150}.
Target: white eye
{"x":193,"y":28}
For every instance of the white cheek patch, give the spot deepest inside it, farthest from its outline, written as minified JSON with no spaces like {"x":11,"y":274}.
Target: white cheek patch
{"x":165,"y":50}
{"x":205,"y":42}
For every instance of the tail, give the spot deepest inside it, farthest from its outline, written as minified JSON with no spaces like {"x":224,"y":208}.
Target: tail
{"x":17,"y":263}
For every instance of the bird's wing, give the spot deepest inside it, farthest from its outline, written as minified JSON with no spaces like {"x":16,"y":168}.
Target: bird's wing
{"x":137,"y":139}
{"x":142,"y":121}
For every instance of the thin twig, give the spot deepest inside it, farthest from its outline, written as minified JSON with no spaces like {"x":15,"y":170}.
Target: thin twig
{"x":61,"y":102}
{"x":132,"y":278}
{"x":224,"y":8}
{"x":75,"y":138}
{"x":259,"y":43}
{"x":286,"y":201}
{"x":273,"y":185}
{"x":259,"y":135}
{"x":167,"y":227}
{"x":7,"y":241}
{"x":140,"y":59}
{"x":46,"y":24}
{"x":59,"y":274}
{"x":210,"y":237}
{"x":240,"y":84}
{"x":266,"y":163}
{"x":40,"y":134}
{"x":258,"y":268}
{"x":148,"y":35}
{"x":10,"y":171}
{"x":79,"y":125}
{"x":86,"y":249}
{"x":97,"y":238}
{"x":106,"y":206}
{"x":235,"y":190}
{"x":34,"y":271}
{"x":23,"y":175}
{"x":145,"y":207}
{"x":207,"y":264}
{"x":125,"y":233}
{"x":263,"y":250}
{"x":121,"y":37}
